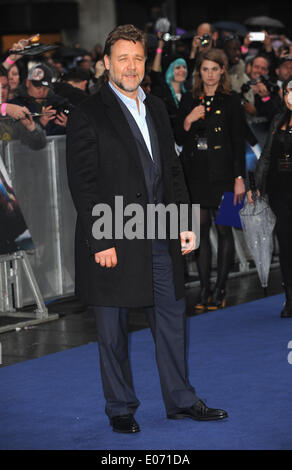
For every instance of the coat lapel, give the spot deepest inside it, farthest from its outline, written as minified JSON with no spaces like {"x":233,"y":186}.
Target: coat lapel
{"x":119,"y":121}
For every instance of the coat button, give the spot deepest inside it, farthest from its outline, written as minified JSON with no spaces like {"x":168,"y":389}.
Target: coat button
{"x":138,"y":194}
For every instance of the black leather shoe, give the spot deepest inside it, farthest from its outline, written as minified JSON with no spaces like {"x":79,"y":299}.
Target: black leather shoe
{"x":124,"y":424}
{"x":200,"y":412}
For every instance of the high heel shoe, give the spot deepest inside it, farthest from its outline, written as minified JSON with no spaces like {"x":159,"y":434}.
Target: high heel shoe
{"x":218,"y":299}
{"x":204,"y":299}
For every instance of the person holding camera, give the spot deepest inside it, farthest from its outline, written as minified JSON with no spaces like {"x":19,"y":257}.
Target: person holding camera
{"x":38,"y":96}
{"x":15,"y":121}
{"x":169,"y":84}
{"x":273,"y":176}
{"x":260,"y":96}
{"x":203,"y":40}
{"x":211,"y":127}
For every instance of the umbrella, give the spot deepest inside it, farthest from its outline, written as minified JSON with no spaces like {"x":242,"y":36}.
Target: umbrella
{"x":264,"y":21}
{"x":258,"y":222}
{"x":231,"y":26}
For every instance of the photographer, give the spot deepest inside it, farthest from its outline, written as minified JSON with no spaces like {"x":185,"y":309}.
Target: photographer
{"x":168,"y":84}
{"x":264,"y":103}
{"x":21,"y":125}
{"x":38,"y":96}
{"x":204,"y":39}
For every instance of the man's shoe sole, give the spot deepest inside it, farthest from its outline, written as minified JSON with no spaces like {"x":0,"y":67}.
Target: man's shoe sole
{"x":126,"y":432}
{"x":202,"y":418}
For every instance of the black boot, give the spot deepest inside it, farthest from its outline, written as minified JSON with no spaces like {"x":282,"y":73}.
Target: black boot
{"x":204,"y":298}
{"x":218,"y":299}
{"x":287,"y":310}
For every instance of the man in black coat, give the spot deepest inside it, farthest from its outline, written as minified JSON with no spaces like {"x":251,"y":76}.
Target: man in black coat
{"x":120,"y":144}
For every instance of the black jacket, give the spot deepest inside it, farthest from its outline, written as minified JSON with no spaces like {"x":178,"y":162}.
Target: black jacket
{"x":225,"y":130}
{"x":264,"y":161}
{"x":23,"y":99}
{"x":103,"y":162}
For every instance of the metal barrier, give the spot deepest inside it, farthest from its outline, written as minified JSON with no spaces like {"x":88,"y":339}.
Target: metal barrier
{"x":39,"y":179}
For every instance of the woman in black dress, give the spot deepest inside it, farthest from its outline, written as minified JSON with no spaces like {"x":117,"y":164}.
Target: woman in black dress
{"x":211,"y":127}
{"x":273,"y":177}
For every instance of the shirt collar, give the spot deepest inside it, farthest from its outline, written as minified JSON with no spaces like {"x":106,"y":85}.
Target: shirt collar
{"x":129,"y":101}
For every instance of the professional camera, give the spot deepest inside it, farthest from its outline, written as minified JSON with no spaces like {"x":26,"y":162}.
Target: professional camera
{"x":271,"y":87}
{"x":205,"y":40}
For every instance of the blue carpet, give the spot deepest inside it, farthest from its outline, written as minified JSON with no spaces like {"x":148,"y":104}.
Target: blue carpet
{"x":237,"y":360}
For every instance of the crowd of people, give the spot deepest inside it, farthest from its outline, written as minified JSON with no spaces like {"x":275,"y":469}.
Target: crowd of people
{"x":221,"y":91}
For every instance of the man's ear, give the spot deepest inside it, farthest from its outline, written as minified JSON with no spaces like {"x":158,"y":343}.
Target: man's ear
{"x":106,"y":62}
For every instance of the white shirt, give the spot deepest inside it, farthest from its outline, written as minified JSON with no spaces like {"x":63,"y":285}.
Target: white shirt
{"x":140,"y":118}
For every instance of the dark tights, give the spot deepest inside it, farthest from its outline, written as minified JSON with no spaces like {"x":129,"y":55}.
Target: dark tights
{"x":204,"y":253}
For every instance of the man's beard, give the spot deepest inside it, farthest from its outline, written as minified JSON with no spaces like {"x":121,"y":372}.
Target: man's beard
{"x":119,"y":83}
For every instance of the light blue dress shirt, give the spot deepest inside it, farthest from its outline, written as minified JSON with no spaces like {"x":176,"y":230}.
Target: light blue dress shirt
{"x":140,"y":118}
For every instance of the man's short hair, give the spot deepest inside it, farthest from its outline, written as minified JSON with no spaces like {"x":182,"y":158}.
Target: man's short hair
{"x":127,"y":32}
{"x":76,"y":75}
{"x":262,"y":56}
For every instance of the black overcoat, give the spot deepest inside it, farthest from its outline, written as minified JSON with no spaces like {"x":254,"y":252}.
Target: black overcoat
{"x":103,"y":162}
{"x":225,"y":133}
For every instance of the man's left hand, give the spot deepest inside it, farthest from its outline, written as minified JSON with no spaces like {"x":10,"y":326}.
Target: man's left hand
{"x":188,"y":242}
{"x":28,"y":122}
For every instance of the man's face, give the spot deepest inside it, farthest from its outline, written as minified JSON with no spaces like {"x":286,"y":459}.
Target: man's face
{"x":204,"y":28}
{"x":4,"y":89}
{"x":285,"y":70}
{"x":259,"y":67}
{"x":37,"y":92}
{"x":233,"y":51}
{"x":126,"y":65}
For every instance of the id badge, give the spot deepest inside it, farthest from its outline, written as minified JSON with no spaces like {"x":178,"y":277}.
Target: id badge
{"x":202,"y":143}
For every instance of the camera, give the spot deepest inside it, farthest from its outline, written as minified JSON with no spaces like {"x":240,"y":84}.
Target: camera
{"x":271,"y":87}
{"x":65,"y":108}
{"x":205,"y":40}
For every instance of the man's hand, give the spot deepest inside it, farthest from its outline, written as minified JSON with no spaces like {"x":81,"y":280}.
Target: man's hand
{"x":106,"y":258}
{"x":61,"y":120}
{"x":49,"y":114}
{"x":261,"y":90}
{"x":28,"y":122}
{"x":16,"y":112}
{"x":188,"y":242}
{"x":239,"y":190}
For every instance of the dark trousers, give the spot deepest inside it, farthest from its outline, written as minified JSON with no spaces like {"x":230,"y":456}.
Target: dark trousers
{"x":281,"y":204}
{"x":167,"y":321}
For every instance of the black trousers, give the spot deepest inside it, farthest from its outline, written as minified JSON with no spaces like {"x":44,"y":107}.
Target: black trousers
{"x":281,"y":204}
{"x":168,"y":326}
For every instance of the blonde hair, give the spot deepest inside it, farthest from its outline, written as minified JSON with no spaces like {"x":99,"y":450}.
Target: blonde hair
{"x":219,"y":57}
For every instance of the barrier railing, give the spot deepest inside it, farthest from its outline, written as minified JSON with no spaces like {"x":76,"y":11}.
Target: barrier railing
{"x":39,"y":179}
